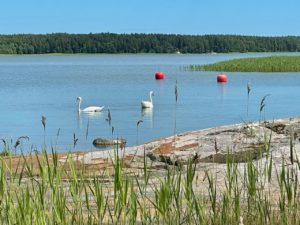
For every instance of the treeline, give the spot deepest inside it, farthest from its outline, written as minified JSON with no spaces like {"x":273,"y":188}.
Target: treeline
{"x":143,"y":43}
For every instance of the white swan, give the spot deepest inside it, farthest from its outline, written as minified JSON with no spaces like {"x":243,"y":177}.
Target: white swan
{"x":88,"y":109}
{"x":148,"y":104}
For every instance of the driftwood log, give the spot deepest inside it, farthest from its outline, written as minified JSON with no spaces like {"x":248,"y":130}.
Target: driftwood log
{"x":102,"y":142}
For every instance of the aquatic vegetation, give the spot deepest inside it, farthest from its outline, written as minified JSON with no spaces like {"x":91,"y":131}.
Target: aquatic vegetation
{"x":248,"y":95}
{"x":259,"y":64}
{"x":42,"y":189}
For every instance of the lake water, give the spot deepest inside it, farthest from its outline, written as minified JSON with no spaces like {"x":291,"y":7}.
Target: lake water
{"x":36,"y":86}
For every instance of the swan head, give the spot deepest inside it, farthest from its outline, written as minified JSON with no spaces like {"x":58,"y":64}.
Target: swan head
{"x":78,"y":99}
{"x":151,"y":93}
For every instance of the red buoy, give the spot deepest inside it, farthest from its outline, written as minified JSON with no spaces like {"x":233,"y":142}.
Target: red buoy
{"x":222,"y":78}
{"x":159,"y":75}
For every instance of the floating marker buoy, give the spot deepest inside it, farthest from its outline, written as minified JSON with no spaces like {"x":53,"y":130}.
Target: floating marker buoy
{"x":222,"y":78}
{"x":159,"y":75}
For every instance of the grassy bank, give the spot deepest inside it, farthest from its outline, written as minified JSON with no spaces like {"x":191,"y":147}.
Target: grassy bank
{"x":261,"y":64}
{"x":42,"y":189}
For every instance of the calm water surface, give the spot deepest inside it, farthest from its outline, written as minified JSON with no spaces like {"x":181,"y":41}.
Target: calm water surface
{"x":32,"y":86}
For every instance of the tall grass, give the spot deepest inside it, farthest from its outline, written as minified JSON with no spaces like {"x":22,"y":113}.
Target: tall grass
{"x":260,"y":64}
{"x":248,"y":96}
{"x":42,"y":190}
{"x":262,"y":108}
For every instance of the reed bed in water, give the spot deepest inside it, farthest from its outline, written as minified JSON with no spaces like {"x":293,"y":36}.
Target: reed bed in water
{"x":42,"y":189}
{"x":260,"y":64}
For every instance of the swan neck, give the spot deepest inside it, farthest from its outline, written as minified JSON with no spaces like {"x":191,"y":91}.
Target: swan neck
{"x":150,"y":97}
{"x":79,"y":103}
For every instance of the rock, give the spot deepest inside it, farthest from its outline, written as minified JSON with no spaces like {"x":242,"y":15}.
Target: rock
{"x":251,"y":152}
{"x":151,"y":156}
{"x":101,"y":142}
{"x":240,"y":142}
{"x":276,"y":127}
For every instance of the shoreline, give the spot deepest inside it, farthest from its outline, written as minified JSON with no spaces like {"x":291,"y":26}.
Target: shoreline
{"x":209,"y":141}
{"x":206,"y":147}
{"x":147,"y":53}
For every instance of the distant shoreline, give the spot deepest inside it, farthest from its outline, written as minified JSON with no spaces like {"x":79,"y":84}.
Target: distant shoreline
{"x":143,"y":43}
{"x":143,"y":53}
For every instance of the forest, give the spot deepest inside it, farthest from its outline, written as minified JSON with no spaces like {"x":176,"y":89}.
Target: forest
{"x":143,"y":43}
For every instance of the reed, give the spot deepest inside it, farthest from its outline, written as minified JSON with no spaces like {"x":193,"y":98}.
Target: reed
{"x":260,"y":64}
{"x":262,"y":107}
{"x":53,"y":194}
{"x":248,"y":96}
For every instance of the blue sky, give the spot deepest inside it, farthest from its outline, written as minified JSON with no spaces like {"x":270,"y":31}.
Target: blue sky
{"x":252,"y":17}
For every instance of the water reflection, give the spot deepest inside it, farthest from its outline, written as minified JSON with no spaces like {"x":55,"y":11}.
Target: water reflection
{"x":147,"y":115}
{"x":222,"y":90}
{"x":87,"y":115}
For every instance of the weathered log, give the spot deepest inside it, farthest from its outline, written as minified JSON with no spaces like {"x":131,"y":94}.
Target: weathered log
{"x":102,"y":142}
